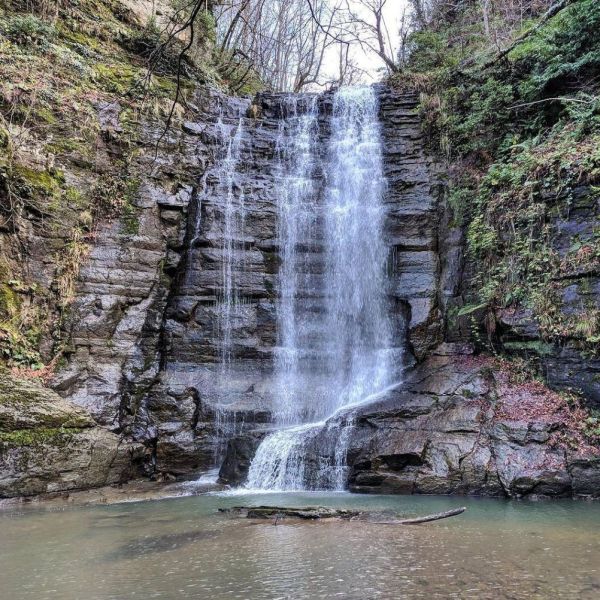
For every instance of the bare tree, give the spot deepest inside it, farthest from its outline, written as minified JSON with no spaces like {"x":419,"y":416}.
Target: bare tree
{"x":361,"y":23}
{"x":365,"y":21}
{"x":286,"y":41}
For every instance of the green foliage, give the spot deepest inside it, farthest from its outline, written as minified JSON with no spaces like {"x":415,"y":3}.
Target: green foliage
{"x":429,"y":50}
{"x":479,"y":113}
{"x":565,"y":51}
{"x":19,"y":325}
{"x":28,"y":30}
{"x":523,"y":136}
{"x":592,"y":426}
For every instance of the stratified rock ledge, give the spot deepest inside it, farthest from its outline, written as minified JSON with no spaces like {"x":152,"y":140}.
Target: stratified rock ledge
{"x":459,"y":424}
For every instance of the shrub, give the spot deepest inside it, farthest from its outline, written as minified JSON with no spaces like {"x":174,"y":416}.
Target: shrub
{"x":28,"y":30}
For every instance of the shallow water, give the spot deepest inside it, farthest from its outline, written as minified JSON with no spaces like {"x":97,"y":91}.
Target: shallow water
{"x":183,"y":548}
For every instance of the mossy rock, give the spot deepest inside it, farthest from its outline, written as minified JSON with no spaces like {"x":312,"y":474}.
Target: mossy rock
{"x":37,"y":437}
{"x":49,"y":444}
{"x":27,"y":407}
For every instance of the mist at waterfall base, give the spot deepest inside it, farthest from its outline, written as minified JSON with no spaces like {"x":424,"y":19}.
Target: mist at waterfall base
{"x":335,"y":340}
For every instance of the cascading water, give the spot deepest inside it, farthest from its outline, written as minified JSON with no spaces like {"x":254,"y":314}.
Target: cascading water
{"x":234,"y":215}
{"x":297,"y":216}
{"x":335,"y":333}
{"x":229,"y":304}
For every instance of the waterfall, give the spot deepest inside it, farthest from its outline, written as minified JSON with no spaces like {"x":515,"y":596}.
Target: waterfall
{"x":335,"y":333}
{"x":227,"y":188}
{"x":297,"y":214}
{"x":233,"y":232}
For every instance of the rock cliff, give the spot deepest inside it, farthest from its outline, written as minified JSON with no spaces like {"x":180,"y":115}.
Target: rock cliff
{"x":147,"y":361}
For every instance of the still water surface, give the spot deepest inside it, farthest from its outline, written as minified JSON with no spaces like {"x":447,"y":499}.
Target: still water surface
{"x":183,"y":548}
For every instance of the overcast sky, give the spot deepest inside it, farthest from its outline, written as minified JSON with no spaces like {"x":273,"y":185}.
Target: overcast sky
{"x":369,"y":61}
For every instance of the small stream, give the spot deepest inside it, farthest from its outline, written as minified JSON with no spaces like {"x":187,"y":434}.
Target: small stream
{"x":184,"y":548}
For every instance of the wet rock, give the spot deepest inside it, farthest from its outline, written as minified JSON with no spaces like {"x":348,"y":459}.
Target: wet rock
{"x":454,"y":427}
{"x":585,"y":474}
{"x":240,"y":451}
{"x":459,"y":444}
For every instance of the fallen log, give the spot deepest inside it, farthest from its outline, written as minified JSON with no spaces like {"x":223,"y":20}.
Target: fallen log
{"x":320,"y":512}
{"x":283,"y":512}
{"x":425,"y":519}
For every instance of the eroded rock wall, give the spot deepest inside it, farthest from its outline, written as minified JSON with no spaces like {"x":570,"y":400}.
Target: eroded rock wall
{"x":148,"y":358}
{"x":147,"y":325}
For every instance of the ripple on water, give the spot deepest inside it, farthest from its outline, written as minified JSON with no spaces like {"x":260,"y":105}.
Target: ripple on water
{"x":183,"y":548}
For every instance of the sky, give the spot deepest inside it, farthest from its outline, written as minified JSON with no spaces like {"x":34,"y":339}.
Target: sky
{"x":368,"y":61}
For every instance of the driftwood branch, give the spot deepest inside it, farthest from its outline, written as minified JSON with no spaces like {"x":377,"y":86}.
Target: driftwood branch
{"x":321,"y":512}
{"x":425,"y":519}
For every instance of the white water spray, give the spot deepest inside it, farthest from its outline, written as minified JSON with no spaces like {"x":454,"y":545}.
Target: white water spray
{"x":335,"y":332}
{"x":234,"y":216}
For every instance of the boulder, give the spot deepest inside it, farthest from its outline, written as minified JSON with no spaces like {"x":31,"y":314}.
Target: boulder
{"x":49,"y":444}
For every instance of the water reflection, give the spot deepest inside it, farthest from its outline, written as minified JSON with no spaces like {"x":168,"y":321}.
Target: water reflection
{"x":183,"y":548}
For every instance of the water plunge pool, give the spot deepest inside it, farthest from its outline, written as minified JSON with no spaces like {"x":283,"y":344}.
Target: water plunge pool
{"x":184,"y":548}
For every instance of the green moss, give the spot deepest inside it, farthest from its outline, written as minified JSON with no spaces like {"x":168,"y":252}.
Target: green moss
{"x":75,"y":196}
{"x":39,"y":436}
{"x":45,"y":115}
{"x":81,"y":39}
{"x":130,"y":220}
{"x":130,"y":223}
{"x":118,"y":78}
{"x":39,"y":179}
{"x":41,"y":182}
{"x":67,"y":146}
{"x":10,"y":302}
{"x":535,"y":347}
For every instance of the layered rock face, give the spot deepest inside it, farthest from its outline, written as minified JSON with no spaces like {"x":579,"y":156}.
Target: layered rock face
{"x":459,"y":426}
{"x":426,"y":252}
{"x":174,"y":327}
{"x":122,"y":319}
{"x":565,"y":365}
{"x":49,"y":444}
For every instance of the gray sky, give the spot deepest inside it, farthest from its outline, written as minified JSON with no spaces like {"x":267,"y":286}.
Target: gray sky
{"x":369,"y":61}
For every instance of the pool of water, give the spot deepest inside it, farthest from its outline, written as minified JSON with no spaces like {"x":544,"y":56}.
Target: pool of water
{"x":184,"y":548}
